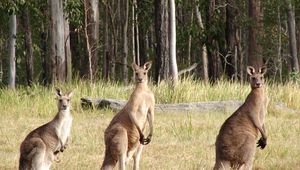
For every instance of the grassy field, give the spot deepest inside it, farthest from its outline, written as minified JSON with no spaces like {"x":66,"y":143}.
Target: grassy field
{"x":181,"y":140}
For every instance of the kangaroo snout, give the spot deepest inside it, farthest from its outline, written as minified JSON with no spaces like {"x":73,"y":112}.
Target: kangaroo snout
{"x":64,"y":107}
{"x":258,"y":84}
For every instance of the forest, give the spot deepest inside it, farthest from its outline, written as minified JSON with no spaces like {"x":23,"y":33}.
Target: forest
{"x":55,"y":53}
{"x":43,"y":42}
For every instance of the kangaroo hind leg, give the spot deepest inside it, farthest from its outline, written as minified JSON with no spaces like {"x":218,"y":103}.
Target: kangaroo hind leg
{"x":38,"y":157}
{"x":137,"y":157}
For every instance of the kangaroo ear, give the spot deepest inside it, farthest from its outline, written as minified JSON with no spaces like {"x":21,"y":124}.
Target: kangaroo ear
{"x":134,"y":67}
{"x":58,"y":92}
{"x":147,"y":65}
{"x":70,"y":94}
{"x":250,"y":70}
{"x":263,"y":70}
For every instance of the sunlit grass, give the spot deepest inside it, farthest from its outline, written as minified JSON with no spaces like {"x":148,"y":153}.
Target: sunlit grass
{"x":181,"y":140}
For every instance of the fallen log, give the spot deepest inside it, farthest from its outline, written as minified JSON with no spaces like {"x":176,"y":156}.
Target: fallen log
{"x":199,"y":107}
{"x":179,"y":107}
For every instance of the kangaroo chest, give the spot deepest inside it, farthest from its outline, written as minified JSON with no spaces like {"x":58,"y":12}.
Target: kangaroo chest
{"x":65,"y":129}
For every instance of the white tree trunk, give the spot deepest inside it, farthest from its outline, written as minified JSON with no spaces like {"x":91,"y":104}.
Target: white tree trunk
{"x":68,"y":49}
{"x":204,"y":49}
{"x":88,"y":45}
{"x":173,"y":63}
{"x":57,"y":16}
{"x":12,"y":51}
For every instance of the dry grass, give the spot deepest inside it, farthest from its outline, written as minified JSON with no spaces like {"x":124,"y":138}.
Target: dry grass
{"x":181,"y":140}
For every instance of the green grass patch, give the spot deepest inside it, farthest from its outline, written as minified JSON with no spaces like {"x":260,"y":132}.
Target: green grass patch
{"x":180,"y":141}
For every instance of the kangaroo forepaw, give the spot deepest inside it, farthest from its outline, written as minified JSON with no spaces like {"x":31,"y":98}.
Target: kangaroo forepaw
{"x":144,"y":141}
{"x":262,"y":143}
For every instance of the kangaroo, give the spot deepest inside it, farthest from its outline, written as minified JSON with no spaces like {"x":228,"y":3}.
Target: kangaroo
{"x":41,"y":146}
{"x":235,"y":144}
{"x":124,"y":136}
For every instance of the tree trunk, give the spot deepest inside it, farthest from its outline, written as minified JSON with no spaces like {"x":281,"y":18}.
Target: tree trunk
{"x":297,"y":12}
{"x":1,"y":58}
{"x":240,"y":52}
{"x":133,"y":34}
{"x":92,"y":8}
{"x":28,"y":47}
{"x":230,"y":33}
{"x":279,"y":46}
{"x":162,"y":48}
{"x":67,"y":49}
{"x":46,"y":76}
{"x":213,"y":45}
{"x":137,"y":35}
{"x":204,"y":49}
{"x":114,"y":43}
{"x":255,"y":32}
{"x":12,"y":51}
{"x":89,"y":27}
{"x":105,"y":70}
{"x":172,"y":40}
{"x":57,"y":42}
{"x":189,"y":54}
{"x":292,"y":36}
{"x":125,"y":10}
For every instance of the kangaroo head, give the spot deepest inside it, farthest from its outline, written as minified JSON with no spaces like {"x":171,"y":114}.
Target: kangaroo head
{"x":63,"y":100}
{"x":256,"y":78}
{"x":141,"y":72}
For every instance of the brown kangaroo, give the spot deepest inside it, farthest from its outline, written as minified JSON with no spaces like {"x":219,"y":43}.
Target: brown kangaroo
{"x":235,"y":144}
{"x":124,"y":137}
{"x":41,"y":146}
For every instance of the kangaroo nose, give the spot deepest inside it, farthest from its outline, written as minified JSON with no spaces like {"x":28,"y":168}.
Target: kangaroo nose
{"x":258,"y":84}
{"x":64,"y":106}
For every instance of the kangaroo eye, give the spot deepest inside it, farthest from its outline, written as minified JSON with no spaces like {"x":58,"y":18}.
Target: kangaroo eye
{"x":60,"y":100}
{"x":136,"y":74}
{"x":68,"y":100}
{"x":144,"y":73}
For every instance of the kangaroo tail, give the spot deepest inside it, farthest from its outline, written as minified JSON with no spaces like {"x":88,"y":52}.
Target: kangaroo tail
{"x":109,"y":161}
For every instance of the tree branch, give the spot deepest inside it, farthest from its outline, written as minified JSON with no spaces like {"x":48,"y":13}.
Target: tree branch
{"x":189,"y":69}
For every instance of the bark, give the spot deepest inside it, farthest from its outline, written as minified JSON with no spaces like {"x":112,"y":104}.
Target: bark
{"x":58,"y":64}
{"x":292,"y":36}
{"x":255,"y":32}
{"x":1,"y":59}
{"x":105,"y":70}
{"x":240,"y":57}
{"x":92,"y":7}
{"x":125,"y":5}
{"x":172,"y":40}
{"x":298,"y":35}
{"x":279,"y":46}
{"x":189,"y":54}
{"x":46,"y":76}
{"x":297,"y":12}
{"x":67,"y":49}
{"x":161,"y":33}
{"x":89,"y":69}
{"x":230,"y":33}
{"x":12,"y":51}
{"x":134,"y":60}
{"x":136,"y":34}
{"x":143,"y":29}
{"x":204,"y":49}
{"x":213,"y":47}
{"x":28,"y":47}
{"x":114,"y":43}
